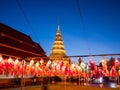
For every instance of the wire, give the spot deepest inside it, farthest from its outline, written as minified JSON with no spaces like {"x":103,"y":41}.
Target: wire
{"x":26,"y":19}
{"x":83,"y":25}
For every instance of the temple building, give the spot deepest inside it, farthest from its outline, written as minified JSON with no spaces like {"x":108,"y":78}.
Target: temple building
{"x":58,"y":52}
{"x":16,"y":44}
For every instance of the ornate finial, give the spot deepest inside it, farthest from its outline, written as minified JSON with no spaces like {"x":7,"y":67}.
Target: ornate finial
{"x":58,"y":24}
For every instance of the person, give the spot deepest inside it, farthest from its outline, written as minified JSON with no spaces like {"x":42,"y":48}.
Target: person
{"x":45,"y":82}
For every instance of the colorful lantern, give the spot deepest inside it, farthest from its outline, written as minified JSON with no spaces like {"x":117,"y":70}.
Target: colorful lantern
{"x":116,"y":63}
{"x":1,"y":58}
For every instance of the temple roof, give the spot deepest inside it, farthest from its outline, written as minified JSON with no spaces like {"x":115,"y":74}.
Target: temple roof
{"x":15,"y":43}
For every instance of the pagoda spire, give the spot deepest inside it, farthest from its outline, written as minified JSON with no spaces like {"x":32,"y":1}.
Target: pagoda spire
{"x":58,"y":46}
{"x":58,"y":52}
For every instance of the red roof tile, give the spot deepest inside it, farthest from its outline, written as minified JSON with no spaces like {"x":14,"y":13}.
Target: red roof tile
{"x":15,"y":43}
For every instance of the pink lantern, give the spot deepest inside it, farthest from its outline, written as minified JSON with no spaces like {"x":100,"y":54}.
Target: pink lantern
{"x":33,"y":70}
{"x":116,"y":63}
{"x":91,"y":60}
{"x":113,"y":72}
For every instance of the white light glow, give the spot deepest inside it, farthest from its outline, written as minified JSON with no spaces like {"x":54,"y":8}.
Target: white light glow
{"x":113,"y":85}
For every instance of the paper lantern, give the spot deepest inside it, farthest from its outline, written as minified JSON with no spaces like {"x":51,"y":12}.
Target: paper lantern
{"x":31,"y":62}
{"x":1,"y":58}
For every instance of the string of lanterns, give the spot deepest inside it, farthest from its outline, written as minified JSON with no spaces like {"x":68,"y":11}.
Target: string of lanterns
{"x":10,"y":67}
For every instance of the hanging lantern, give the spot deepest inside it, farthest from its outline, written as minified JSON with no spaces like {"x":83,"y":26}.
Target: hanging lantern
{"x":119,"y":72}
{"x":1,"y":58}
{"x":31,"y":63}
{"x":116,"y":63}
{"x":113,"y":72}
{"x":104,"y":62}
{"x":82,"y":65}
{"x":37,"y":65}
{"x":16,"y":61}
{"x":41,"y":61}
{"x":49,"y":62}
{"x":91,"y":60}
{"x":73,"y":65}
{"x":16,"y":64}
{"x":10,"y":60}
{"x":33,"y":70}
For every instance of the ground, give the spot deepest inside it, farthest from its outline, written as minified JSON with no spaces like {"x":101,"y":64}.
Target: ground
{"x":63,"y":86}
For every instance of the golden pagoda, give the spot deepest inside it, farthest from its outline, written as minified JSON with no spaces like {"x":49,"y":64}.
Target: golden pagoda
{"x":58,"y":52}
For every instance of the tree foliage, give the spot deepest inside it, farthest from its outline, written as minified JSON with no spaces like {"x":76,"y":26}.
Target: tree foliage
{"x":111,"y":62}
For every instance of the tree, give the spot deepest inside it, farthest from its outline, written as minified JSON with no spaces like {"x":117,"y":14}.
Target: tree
{"x":111,"y":62}
{"x":79,"y":61}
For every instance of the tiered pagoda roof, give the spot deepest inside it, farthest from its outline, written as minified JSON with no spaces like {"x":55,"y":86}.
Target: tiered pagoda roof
{"x":58,"y":52}
{"x":15,"y":43}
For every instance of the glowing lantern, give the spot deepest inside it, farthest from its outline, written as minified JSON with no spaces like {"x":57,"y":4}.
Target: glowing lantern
{"x":37,"y":65}
{"x":73,"y":65}
{"x":104,"y":62}
{"x":31,"y":62}
{"x":16,"y":61}
{"x":91,"y":60}
{"x":10,"y":60}
{"x":49,"y":62}
{"x":63,"y":68}
{"x":119,"y":72}
{"x":41,"y":61}
{"x":116,"y":63}
{"x":113,"y":72}
{"x":1,"y":58}
{"x":82,"y":65}
{"x":16,"y":64}
{"x":33,"y":71}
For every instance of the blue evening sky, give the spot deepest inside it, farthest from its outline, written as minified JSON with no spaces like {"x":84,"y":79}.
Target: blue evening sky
{"x":100,"y":17}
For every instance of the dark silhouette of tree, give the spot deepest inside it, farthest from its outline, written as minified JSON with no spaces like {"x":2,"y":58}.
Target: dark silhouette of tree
{"x":79,"y":61}
{"x":100,"y":65}
{"x":111,"y":62}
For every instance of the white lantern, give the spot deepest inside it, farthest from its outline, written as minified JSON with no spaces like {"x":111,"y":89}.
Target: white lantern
{"x":16,"y":61}
{"x":37,"y":64}
{"x":41,"y":61}
{"x":31,"y":62}
{"x":10,"y":60}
